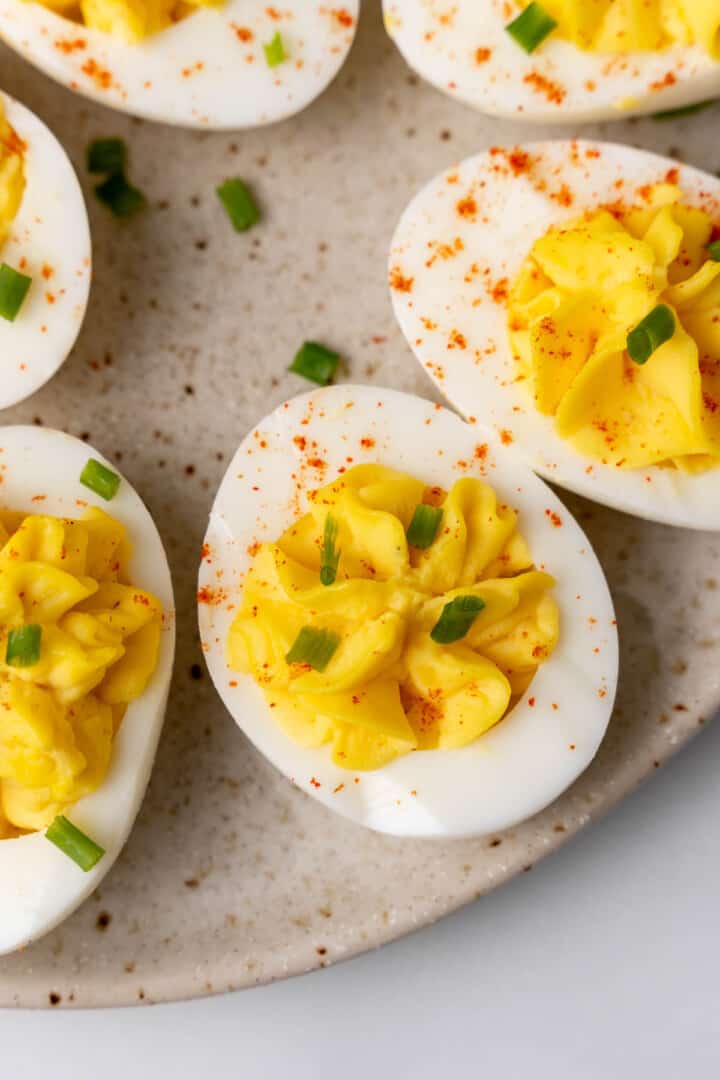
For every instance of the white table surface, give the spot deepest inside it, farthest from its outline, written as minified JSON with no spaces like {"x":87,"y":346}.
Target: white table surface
{"x":601,"y":963}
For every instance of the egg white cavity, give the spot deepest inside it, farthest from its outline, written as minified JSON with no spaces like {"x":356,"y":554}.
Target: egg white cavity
{"x":557,"y":82}
{"x":532,"y":755}
{"x":49,"y":240}
{"x":201,"y":72}
{"x":455,"y":317}
{"x":40,"y":885}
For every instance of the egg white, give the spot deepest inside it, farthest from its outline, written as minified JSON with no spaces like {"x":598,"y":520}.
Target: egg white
{"x":50,"y":241}
{"x":440,"y":42}
{"x":197,"y":73}
{"x":529,"y":758}
{"x":454,"y":296}
{"x":40,"y":885}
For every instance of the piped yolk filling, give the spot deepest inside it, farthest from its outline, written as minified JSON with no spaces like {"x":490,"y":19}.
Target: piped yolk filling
{"x":12,"y":175}
{"x":130,"y":20}
{"x":625,"y":26}
{"x":581,"y":289}
{"x":389,"y":687}
{"x":99,"y":645}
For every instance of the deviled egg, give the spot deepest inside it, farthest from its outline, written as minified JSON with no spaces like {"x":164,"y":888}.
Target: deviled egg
{"x":86,"y":650}
{"x":402,"y":617}
{"x":568,"y":294}
{"x":45,"y":254}
{"x":563,"y":60}
{"x":232,"y":65}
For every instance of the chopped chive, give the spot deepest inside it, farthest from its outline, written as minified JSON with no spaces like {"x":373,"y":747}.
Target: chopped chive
{"x":103,"y":481}
{"x":315,"y":362}
{"x":23,"y":646}
{"x":241,"y":207}
{"x":119,"y":195}
{"x":684,"y":110}
{"x":106,"y":156}
{"x":314,"y":647}
{"x":653,"y":331}
{"x":13,"y":290}
{"x":456,"y":619}
{"x":275,"y":51}
{"x":330,"y":553}
{"x":713,"y":250}
{"x":423,"y":528}
{"x":74,"y":843}
{"x":531,"y":27}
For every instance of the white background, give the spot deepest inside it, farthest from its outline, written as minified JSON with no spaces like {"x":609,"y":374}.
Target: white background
{"x":601,"y":963}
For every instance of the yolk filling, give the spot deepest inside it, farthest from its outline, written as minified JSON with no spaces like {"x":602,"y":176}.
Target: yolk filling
{"x":99,"y":645}
{"x":581,"y":289}
{"x":624,"y":26}
{"x":130,"y":20}
{"x":389,"y":687}
{"x":12,"y":175}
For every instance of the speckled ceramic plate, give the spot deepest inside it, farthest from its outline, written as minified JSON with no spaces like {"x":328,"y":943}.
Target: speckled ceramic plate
{"x":233,"y":877}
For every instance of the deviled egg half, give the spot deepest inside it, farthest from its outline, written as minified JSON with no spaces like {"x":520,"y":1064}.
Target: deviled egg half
{"x":402,"y":617}
{"x":568,"y":295}
{"x":45,"y":254}
{"x":563,"y":60}
{"x":87,"y":638}
{"x":238,"y":64}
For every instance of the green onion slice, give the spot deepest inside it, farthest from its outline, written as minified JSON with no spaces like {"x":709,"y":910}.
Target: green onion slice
{"x":241,"y":207}
{"x":74,"y":843}
{"x":531,"y":27}
{"x":103,"y":481}
{"x":456,"y":619}
{"x":23,"y":646}
{"x":13,"y":290}
{"x":330,"y":553}
{"x":118,"y":194}
{"x":315,"y":362}
{"x":684,"y":110}
{"x":423,"y":528}
{"x":314,"y":647}
{"x":275,"y":51}
{"x":655,"y":329}
{"x":106,"y":156}
{"x":713,"y":250}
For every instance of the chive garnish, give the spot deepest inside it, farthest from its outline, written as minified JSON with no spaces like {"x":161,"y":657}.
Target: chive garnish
{"x":684,"y":110}
{"x":330,"y":553}
{"x":74,"y":843}
{"x":106,"y":156}
{"x":119,"y":195}
{"x":103,"y":481}
{"x":275,"y":51}
{"x":315,"y":362}
{"x":239,"y":203}
{"x":23,"y":646}
{"x":713,"y":250}
{"x":314,"y":647}
{"x":423,"y":528}
{"x":13,"y":290}
{"x":531,"y":27}
{"x":456,"y":619}
{"x":653,"y":331}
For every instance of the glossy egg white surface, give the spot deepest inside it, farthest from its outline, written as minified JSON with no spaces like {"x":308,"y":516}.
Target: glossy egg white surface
{"x":464,"y":50}
{"x":207,"y":71}
{"x":533,"y":754}
{"x":49,"y":240}
{"x":39,"y":886}
{"x":460,"y":243}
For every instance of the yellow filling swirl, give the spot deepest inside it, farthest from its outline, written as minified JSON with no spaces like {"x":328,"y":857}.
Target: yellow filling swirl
{"x":582,"y":288}
{"x":389,"y":687}
{"x":130,"y":20}
{"x":98,"y":650}
{"x":12,"y":175}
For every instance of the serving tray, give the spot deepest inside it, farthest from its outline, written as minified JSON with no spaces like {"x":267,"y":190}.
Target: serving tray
{"x":232,"y":877}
